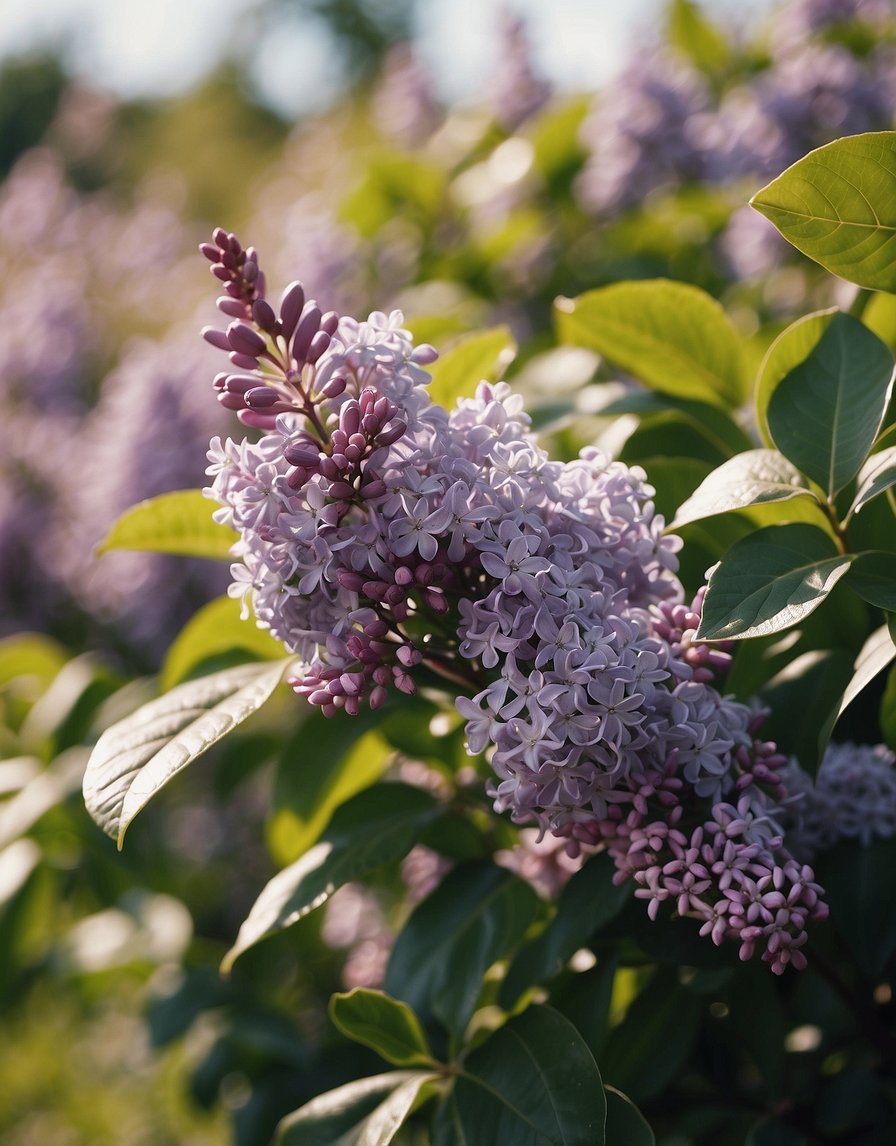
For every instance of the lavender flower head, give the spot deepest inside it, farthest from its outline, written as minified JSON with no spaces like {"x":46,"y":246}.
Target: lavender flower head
{"x":517,"y":91}
{"x":383,"y":537}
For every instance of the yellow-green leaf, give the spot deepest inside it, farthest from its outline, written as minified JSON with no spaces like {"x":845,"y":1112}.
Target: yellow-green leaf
{"x":179,"y":522}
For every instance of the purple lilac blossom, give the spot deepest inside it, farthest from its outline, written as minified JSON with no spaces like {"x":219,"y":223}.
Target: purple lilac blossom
{"x":516,"y":91}
{"x":853,"y":796}
{"x":381,"y":534}
{"x":404,"y":103}
{"x":644,"y":133}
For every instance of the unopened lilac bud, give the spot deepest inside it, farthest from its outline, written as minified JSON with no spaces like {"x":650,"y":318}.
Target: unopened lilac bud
{"x":221,"y":272}
{"x":342,"y":490}
{"x":243,"y":361}
{"x":333,"y":387}
{"x":388,"y":437}
{"x":308,"y":326}
{"x":263,"y":314}
{"x":240,"y":383}
{"x":298,"y":454}
{"x":435,"y":601}
{"x":216,"y":337}
{"x":350,"y":418}
{"x":318,"y":346}
{"x":329,"y":322}
{"x":221,"y":237}
{"x":231,"y":401}
{"x":372,"y":489}
{"x":330,"y":469}
{"x":394,"y":594}
{"x":244,"y":340}
{"x":211,"y":251}
{"x":291,"y":303}
{"x":250,"y":271}
{"x":424,"y":354}
{"x":230,"y":306}
{"x":377,"y":697}
{"x":220,"y":380}
{"x":383,"y":408}
{"x":353,"y":454}
{"x":297,"y":478}
{"x":403,"y":575}
{"x":376,"y":628}
{"x":261,"y":397}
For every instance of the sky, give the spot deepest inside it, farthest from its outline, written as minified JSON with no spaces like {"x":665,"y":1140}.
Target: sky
{"x":160,"y":47}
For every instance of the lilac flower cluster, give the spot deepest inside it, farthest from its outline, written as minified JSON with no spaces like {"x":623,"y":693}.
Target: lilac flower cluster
{"x":382,"y":536}
{"x":853,"y":796}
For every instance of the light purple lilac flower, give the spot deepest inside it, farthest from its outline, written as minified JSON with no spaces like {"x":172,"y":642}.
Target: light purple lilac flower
{"x":382,"y":535}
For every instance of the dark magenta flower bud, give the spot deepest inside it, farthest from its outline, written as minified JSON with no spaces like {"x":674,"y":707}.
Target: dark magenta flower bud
{"x":216,"y":337}
{"x":244,"y":340}
{"x":232,"y":307}
{"x":264,"y":316}
{"x":261,"y":397}
{"x":291,"y":304}
{"x":298,"y":454}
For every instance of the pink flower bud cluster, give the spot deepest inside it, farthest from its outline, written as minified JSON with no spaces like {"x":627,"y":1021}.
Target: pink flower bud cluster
{"x":382,"y":536}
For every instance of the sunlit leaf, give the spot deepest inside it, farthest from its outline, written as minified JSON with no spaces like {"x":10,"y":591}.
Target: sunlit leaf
{"x":179,"y":522}
{"x":133,"y":759}
{"x":752,"y":478}
{"x":769,"y":581}
{"x":366,"y":1112}
{"x":826,"y":412}
{"x":672,"y":336}
{"x":379,"y":825}
{"x":215,"y":629}
{"x":874,"y":656}
{"x":387,"y":1025}
{"x":877,"y":474}
{"x":792,"y":346}
{"x":838,"y":206}
{"x":474,"y":358}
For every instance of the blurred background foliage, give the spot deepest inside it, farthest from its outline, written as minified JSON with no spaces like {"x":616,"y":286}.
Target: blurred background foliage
{"x":117,"y":1026}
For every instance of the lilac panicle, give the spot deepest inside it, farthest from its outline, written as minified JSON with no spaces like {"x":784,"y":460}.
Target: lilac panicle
{"x":382,"y":535}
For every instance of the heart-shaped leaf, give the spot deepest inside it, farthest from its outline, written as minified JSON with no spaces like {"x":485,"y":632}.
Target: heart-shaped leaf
{"x":133,"y":759}
{"x":838,"y":206}
{"x":180,"y":522}
{"x":769,"y":581}
{"x":672,"y":336}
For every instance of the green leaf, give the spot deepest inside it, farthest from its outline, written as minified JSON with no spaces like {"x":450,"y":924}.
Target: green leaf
{"x":215,"y":629}
{"x":45,"y":791}
{"x":753,"y":478}
{"x":647,"y":1049}
{"x":888,"y":710}
{"x":133,"y":759}
{"x":695,"y":37}
{"x":770,"y":1132}
{"x":348,"y":755}
{"x":874,"y":656}
{"x":826,"y":412}
{"x":532,"y":1083}
{"x":30,"y":655}
{"x":877,"y":474}
{"x":366,"y":1112}
{"x":588,"y":901}
{"x":838,"y":206}
{"x":873,"y":577}
{"x":626,"y":1125}
{"x":804,"y":699}
{"x":860,"y":885}
{"x":472,"y":359}
{"x":385,"y":1024}
{"x":792,"y":346}
{"x":377,"y":826}
{"x":672,"y":336}
{"x":179,"y":522}
{"x":769,"y":581}
{"x":476,"y":915}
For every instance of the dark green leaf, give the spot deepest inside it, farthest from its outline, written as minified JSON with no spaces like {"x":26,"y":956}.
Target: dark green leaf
{"x":836,"y":205}
{"x":769,"y":581}
{"x":805,"y":699}
{"x":377,"y":826}
{"x":533,"y":1083}
{"x":753,"y":478}
{"x":792,"y":346}
{"x":588,"y":901}
{"x":626,"y":1125}
{"x":672,"y":336}
{"x":133,"y":759}
{"x":179,"y":522}
{"x":478,"y":914}
{"x":585,"y":997}
{"x":860,"y":885}
{"x":645,"y":1052}
{"x":385,"y":1024}
{"x":825,"y":414}
{"x":770,"y":1132}
{"x":366,"y":1112}
{"x":483,"y":356}
{"x":873,"y":577}
{"x":888,"y":710}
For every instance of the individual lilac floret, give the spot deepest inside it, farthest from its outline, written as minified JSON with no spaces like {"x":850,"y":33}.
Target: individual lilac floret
{"x":853,"y":796}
